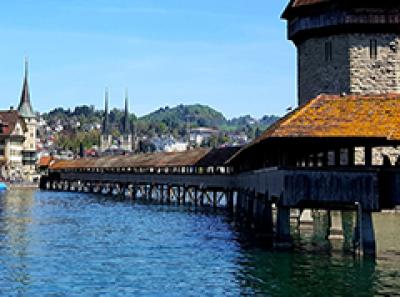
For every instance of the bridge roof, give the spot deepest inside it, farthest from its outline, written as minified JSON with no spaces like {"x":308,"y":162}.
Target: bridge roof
{"x":374,"y":117}
{"x":197,"y":157}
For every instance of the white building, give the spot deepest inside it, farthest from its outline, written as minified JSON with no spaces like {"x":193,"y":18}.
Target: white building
{"x":201,"y":134}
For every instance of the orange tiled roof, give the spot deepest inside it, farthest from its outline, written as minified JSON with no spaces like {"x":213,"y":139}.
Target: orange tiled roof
{"x":374,"y":116}
{"x":45,"y":161}
{"x":333,"y":116}
{"x":196,"y":157}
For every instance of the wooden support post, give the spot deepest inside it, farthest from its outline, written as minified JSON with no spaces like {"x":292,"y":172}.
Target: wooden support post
{"x":261,"y":211}
{"x":201,"y":197}
{"x":283,"y":226}
{"x":365,"y":233}
{"x":368,"y":155}
{"x":325,"y":159}
{"x":239,"y":202}
{"x":195,"y":196}
{"x":162,"y":193}
{"x":315,"y":160}
{"x":178,"y":198}
{"x":184,"y":195}
{"x":268,"y":216}
{"x":229,"y":201}
{"x":350,"y":156}
{"x":337,"y":157}
{"x":134,"y":192}
{"x":148,"y":192}
{"x":215,"y":199}
{"x":168,"y":194}
{"x":250,"y":205}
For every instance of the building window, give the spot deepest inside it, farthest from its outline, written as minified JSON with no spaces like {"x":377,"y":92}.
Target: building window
{"x":373,"y":49}
{"x":328,"y":51}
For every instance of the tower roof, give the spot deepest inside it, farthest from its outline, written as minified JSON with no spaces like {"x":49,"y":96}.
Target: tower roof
{"x":296,"y":7}
{"x":25,"y":107}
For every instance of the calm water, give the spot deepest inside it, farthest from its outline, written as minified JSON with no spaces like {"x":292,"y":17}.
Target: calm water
{"x":66,"y":244}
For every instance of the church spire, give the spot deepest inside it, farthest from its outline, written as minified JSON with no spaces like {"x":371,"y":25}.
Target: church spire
{"x":25,"y":106}
{"x":126,"y":126}
{"x":106,"y":123}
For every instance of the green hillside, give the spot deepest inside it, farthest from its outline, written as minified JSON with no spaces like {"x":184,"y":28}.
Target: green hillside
{"x":195,"y":115}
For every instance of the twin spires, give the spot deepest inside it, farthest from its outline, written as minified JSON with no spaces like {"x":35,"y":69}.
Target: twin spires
{"x":126,"y":127}
{"x":25,"y":106}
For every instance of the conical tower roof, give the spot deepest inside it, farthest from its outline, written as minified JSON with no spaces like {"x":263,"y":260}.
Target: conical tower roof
{"x":25,"y":107}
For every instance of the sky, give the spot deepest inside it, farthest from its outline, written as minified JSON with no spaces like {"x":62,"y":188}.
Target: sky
{"x":230,"y":54}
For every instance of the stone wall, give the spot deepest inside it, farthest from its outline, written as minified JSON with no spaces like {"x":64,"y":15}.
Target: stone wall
{"x":315,"y":74}
{"x":352,"y":70}
{"x":374,"y":76}
{"x":378,"y":154}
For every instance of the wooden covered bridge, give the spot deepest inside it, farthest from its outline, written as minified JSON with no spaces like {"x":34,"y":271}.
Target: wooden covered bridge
{"x":334,"y":153}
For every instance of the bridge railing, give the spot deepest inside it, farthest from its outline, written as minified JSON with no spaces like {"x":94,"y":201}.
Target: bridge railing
{"x":292,"y":187}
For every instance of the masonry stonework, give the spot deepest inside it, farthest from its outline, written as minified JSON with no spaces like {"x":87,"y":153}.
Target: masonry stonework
{"x":351,"y":69}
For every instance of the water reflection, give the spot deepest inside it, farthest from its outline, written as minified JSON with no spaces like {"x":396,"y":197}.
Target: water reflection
{"x":15,"y":218}
{"x":68,"y":244}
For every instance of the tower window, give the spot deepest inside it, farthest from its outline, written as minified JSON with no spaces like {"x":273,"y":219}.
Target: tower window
{"x":328,"y":51}
{"x":373,"y":49}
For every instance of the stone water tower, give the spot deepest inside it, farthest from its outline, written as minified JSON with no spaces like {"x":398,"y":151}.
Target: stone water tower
{"x":345,"y":46}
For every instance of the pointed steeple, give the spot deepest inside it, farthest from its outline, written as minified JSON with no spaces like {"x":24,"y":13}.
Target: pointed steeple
{"x":126,"y":126}
{"x":106,"y":121}
{"x":25,"y":106}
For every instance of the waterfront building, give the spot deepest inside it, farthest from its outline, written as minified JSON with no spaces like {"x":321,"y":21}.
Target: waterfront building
{"x":18,"y":138}
{"x":12,"y":138}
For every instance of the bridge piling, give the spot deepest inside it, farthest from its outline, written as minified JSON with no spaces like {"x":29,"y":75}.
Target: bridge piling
{"x":283,"y":236}
{"x":229,"y":201}
{"x":335,"y":225}
{"x":268,"y":222}
{"x":239,"y":202}
{"x":365,"y":233}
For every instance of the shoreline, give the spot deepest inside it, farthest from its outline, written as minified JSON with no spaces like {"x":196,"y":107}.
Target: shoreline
{"x":22,"y":186}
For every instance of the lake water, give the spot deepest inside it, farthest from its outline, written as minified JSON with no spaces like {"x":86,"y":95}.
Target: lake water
{"x":70,"y":244}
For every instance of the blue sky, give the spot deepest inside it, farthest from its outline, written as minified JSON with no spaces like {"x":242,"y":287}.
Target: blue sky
{"x":230,"y":54}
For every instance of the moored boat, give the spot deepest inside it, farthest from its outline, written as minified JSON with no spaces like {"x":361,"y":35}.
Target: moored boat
{"x":3,"y":187}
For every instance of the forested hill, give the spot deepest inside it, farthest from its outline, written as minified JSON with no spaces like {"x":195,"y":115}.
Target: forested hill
{"x":164,"y":120}
{"x":196,"y":115}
